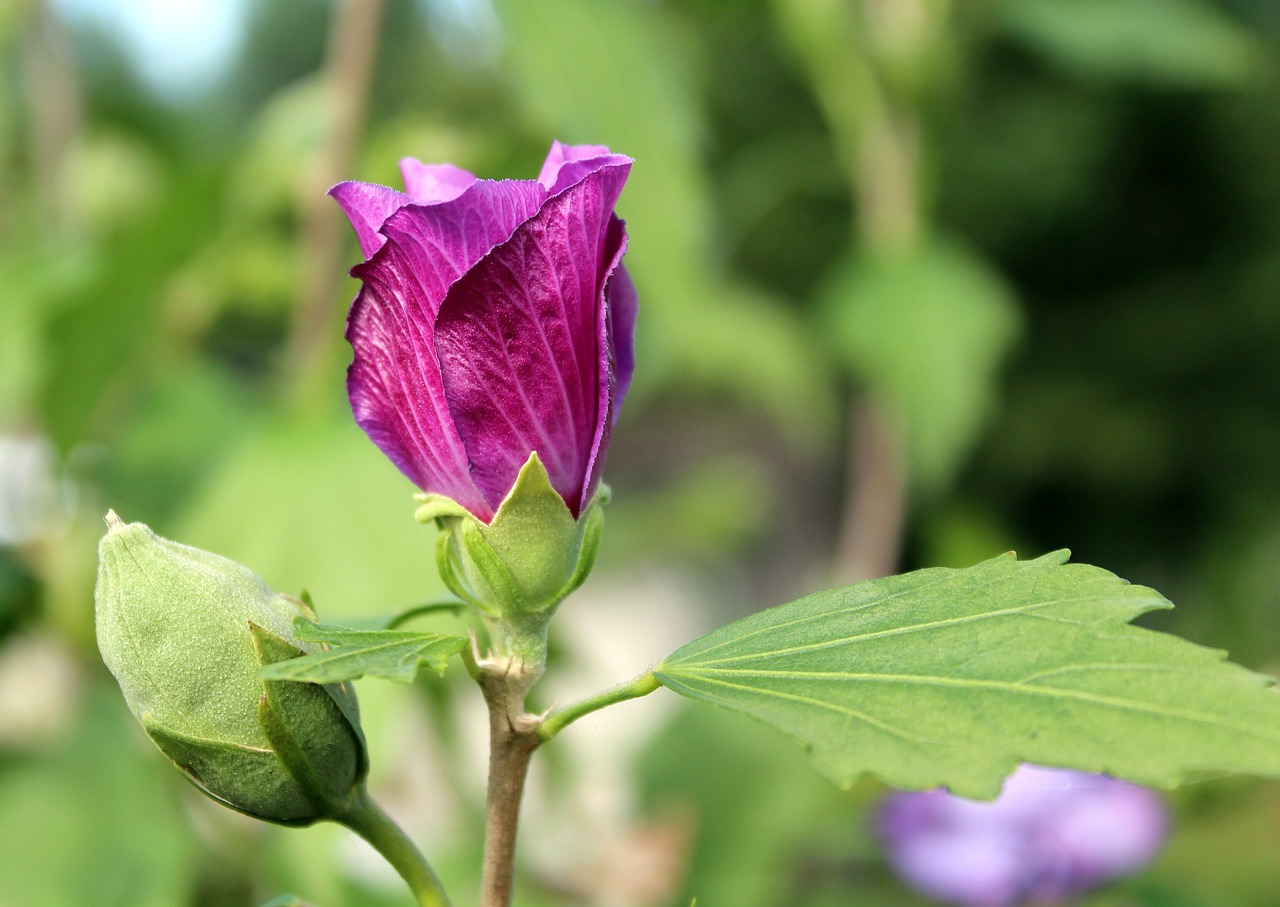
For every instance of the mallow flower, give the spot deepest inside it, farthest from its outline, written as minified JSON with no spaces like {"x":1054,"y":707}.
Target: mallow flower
{"x":1050,"y":836}
{"x":492,"y":342}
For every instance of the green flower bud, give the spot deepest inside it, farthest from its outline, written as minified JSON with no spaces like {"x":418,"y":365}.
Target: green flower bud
{"x":185,"y":633}
{"x":519,"y":566}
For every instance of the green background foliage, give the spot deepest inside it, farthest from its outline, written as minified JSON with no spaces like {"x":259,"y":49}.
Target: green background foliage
{"x":1036,"y":241}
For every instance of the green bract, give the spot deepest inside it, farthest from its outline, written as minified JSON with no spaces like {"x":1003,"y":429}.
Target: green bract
{"x":185,"y":633}
{"x":527,"y":559}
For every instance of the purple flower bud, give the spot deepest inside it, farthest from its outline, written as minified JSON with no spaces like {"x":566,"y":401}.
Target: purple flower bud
{"x":1050,"y":835}
{"x":495,"y":320}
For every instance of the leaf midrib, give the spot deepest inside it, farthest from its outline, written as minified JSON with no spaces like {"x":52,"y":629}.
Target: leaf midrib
{"x":1057,"y":693}
{"x":895,"y":631}
{"x":341,"y":655}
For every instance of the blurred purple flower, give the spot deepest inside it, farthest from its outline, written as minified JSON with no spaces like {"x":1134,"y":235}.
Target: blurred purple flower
{"x":495,"y":319}
{"x":1052,"y":834}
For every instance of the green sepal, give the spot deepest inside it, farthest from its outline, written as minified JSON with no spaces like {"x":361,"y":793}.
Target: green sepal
{"x":314,"y":729}
{"x":592,"y":529}
{"x":247,"y":779}
{"x":489,"y":570}
{"x":437,"y":507}
{"x":445,"y":565}
{"x":530,"y":556}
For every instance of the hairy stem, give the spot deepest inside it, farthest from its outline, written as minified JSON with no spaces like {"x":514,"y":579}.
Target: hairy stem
{"x":508,"y":767}
{"x":512,"y":739}
{"x":368,"y":820}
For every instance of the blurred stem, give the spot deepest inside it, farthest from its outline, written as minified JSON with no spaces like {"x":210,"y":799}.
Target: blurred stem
{"x":368,"y":820}
{"x":868,"y":61}
{"x":887,"y":191}
{"x":875,"y":505}
{"x":54,"y":102}
{"x":348,"y":73}
{"x":885,"y":175}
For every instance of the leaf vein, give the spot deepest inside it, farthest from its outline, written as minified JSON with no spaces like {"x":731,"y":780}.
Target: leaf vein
{"x":898,"y":631}
{"x":1066,"y":694}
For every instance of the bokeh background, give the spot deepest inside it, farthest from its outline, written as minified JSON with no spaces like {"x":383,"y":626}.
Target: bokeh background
{"x":922,"y":281}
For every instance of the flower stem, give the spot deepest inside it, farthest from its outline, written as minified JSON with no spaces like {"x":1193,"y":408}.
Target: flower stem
{"x":512,"y":739}
{"x":513,"y":736}
{"x":431,"y":607}
{"x":508,"y":766}
{"x":368,"y":820}
{"x":556,"y":722}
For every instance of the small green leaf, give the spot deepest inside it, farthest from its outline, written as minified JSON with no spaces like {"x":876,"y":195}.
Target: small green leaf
{"x":390,"y":654}
{"x":951,"y":677}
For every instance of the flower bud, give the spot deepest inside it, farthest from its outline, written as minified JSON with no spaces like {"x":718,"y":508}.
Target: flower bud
{"x":185,"y":633}
{"x":519,"y":566}
{"x":495,"y":318}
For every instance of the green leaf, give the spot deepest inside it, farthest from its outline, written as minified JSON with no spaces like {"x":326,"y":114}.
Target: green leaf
{"x":390,"y":654}
{"x":951,"y":677}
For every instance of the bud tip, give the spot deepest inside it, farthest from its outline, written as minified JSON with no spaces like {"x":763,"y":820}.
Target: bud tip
{"x":113,"y":521}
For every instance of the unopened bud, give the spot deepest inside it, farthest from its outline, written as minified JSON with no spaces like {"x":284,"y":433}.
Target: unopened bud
{"x":185,"y":633}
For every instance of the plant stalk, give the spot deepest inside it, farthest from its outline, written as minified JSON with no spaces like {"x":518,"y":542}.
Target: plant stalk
{"x":643,"y":685}
{"x":512,"y":739}
{"x":508,"y":768}
{"x":368,"y":820}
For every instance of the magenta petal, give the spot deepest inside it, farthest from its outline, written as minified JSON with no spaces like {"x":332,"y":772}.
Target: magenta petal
{"x":624,"y":307}
{"x":609,"y":398}
{"x":519,"y":344}
{"x":437,"y":244}
{"x":615,"y":246}
{"x":367,"y":206}
{"x":561,"y":154}
{"x":394,"y":380}
{"x":395,"y":389}
{"x":429,"y":184}
{"x":569,"y":164}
